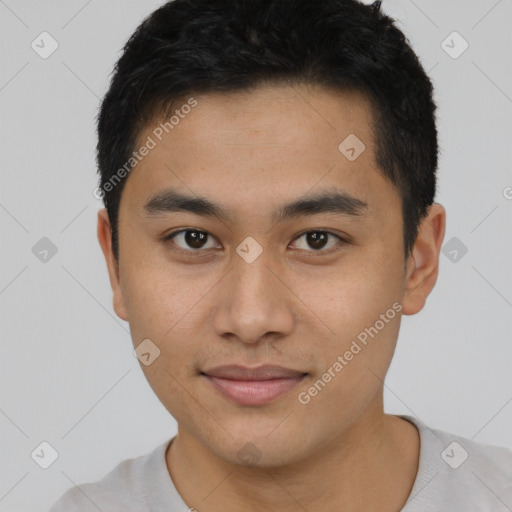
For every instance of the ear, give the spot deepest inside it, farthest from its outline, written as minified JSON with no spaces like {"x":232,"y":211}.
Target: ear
{"x":423,"y":264}
{"x":105,"y":240}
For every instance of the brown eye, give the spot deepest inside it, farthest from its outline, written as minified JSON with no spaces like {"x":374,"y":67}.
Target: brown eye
{"x":318,"y":240}
{"x":190,"y":239}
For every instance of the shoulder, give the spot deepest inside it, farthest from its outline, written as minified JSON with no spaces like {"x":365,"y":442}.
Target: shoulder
{"x":123,"y":488}
{"x":458,"y":474}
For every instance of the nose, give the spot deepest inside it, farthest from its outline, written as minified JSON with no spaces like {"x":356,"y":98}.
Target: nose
{"x":255,"y":302}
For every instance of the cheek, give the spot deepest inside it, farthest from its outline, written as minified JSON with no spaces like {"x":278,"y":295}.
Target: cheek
{"x":361,"y":306}
{"x":163,"y":308}
{"x":353,"y":295}
{"x":353,"y":369}
{"x":152,"y":303}
{"x":166,"y":305}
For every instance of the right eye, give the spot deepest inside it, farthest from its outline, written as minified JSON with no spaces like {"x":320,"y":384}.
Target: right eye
{"x":194,"y":238}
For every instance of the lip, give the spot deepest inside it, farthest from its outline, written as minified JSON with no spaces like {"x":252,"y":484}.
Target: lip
{"x":253,"y":386}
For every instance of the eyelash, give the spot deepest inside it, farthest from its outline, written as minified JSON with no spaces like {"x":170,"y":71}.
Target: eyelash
{"x":173,"y":234}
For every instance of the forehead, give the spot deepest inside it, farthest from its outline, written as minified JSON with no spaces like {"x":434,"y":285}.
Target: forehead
{"x":298,"y":114}
{"x":254,"y":149}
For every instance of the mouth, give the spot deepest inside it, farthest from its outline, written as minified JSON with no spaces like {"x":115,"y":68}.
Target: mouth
{"x":253,"y":386}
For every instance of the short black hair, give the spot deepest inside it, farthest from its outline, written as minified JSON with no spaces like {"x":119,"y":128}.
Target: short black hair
{"x":191,"y":47}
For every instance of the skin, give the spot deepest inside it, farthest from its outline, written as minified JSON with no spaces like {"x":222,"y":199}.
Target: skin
{"x":253,"y":151}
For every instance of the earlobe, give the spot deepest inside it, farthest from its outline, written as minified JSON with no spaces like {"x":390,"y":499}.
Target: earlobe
{"x":104,"y":232}
{"x":423,"y":264}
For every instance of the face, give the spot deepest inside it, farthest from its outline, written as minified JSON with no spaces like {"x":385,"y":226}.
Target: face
{"x":316,"y":290}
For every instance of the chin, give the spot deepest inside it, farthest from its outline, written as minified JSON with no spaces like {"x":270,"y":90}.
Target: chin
{"x":263,"y":447}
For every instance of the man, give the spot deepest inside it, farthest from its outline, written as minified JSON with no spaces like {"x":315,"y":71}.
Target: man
{"x":268,"y":169}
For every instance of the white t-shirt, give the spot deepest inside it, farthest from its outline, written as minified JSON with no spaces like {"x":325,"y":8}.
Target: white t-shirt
{"x":454,"y":475}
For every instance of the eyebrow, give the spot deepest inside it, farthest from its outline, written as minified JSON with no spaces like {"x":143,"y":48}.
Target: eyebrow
{"x":330,"y":201}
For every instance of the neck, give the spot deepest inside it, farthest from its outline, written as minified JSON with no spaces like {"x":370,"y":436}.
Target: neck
{"x":372,"y":464}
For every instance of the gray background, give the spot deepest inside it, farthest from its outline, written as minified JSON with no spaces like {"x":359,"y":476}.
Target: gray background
{"x":68,"y":374}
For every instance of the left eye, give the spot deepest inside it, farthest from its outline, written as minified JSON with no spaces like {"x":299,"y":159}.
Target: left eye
{"x":317,"y":239}
{"x":196,"y":239}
